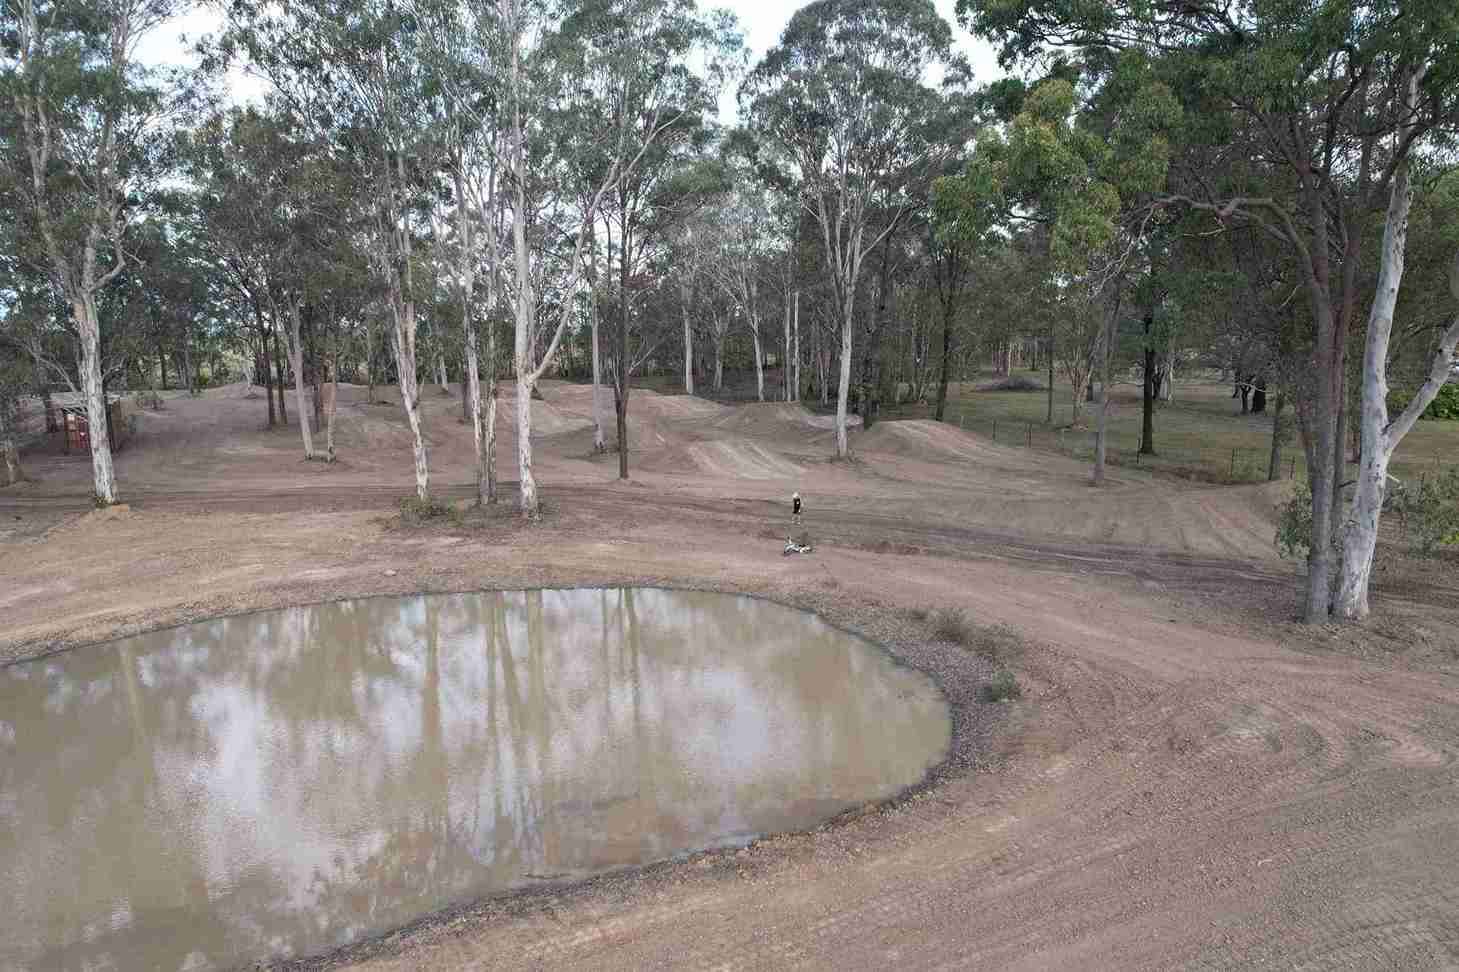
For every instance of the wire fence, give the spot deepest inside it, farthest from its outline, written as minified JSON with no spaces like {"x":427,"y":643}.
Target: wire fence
{"x":1207,"y":462}
{"x":1237,"y":464}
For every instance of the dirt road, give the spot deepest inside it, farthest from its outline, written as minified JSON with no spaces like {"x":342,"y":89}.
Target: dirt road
{"x":1189,"y":781}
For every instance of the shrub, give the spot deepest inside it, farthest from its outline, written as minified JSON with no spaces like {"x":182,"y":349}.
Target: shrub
{"x":1428,"y":510}
{"x":1003,"y":687}
{"x":416,"y":511}
{"x":998,"y":643}
{"x":951,"y":624}
{"x":918,"y":613}
{"x":1444,"y":406}
{"x":1294,"y":523}
{"x":149,"y":399}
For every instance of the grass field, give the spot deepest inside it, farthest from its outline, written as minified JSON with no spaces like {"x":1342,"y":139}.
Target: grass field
{"x":1201,"y":434}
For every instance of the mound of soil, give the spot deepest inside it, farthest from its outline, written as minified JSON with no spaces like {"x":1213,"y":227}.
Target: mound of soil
{"x":925,"y":439}
{"x":732,"y":457}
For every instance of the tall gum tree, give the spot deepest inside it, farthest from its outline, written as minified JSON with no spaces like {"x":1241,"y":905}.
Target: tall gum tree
{"x":650,"y":72}
{"x":842,"y":98}
{"x":1301,"y":121}
{"x":359,"y":73}
{"x":1081,"y":172}
{"x":83,"y":112}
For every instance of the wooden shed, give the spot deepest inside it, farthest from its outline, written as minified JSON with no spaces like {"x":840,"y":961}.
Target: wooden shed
{"x":75,"y":425}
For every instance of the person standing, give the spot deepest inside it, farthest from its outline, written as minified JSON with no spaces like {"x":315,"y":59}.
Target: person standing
{"x":795,"y":509}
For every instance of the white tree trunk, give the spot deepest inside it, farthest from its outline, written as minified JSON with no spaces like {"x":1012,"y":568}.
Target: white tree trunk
{"x":524,"y":440}
{"x":1101,"y":434}
{"x":843,"y":445}
{"x":759,"y":360}
{"x":103,"y":478}
{"x":9,"y":440}
{"x":296,"y":361}
{"x":489,"y":442}
{"x":785,"y":358}
{"x":441,"y":376}
{"x":684,"y":294}
{"x":405,"y":364}
{"x":795,"y":353}
{"x":329,"y":410}
{"x":1380,"y":437}
{"x":473,"y":392}
{"x":599,"y":443}
{"x":719,"y":363}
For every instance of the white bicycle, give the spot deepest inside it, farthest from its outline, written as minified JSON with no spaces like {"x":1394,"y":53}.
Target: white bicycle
{"x":791,"y":547}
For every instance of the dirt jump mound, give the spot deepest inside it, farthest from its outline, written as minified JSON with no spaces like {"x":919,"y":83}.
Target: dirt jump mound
{"x":733,"y":457}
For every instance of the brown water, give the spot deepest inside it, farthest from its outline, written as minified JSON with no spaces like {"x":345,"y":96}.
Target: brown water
{"x":286,"y":782}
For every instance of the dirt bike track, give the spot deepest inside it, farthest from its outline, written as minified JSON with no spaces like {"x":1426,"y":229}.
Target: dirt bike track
{"x":1190,"y":780}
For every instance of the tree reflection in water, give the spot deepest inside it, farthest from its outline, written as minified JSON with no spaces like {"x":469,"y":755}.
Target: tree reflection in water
{"x":285,"y":782}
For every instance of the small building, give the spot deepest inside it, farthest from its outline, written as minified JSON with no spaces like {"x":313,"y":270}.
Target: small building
{"x":75,"y":424}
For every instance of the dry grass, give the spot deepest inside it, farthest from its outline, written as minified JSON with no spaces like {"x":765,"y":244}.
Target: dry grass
{"x":952,"y":625}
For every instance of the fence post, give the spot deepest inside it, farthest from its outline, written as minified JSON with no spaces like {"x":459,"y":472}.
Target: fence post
{"x":1028,"y":438}
{"x":995,"y":430}
{"x":1292,"y":469}
{"x":962,"y":420}
{"x":1233,"y":464}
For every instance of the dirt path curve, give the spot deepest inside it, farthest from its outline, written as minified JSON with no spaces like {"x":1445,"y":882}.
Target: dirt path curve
{"x":1166,"y":798}
{"x":1178,"y":788}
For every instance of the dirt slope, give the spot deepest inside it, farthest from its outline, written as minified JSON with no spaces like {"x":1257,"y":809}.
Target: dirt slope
{"x":679,"y":443}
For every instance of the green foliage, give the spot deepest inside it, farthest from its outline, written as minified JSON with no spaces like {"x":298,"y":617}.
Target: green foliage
{"x":1428,"y":510}
{"x":1294,"y":524}
{"x":1003,"y":688}
{"x":1444,"y":406}
{"x":1078,"y":168}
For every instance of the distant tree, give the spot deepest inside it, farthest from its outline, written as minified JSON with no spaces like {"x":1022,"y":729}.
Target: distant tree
{"x":842,"y":99}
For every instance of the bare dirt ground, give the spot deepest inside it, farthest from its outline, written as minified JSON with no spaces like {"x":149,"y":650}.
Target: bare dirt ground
{"x":1189,"y":781}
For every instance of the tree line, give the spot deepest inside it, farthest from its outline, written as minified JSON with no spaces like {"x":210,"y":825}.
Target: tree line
{"x":493,"y":189}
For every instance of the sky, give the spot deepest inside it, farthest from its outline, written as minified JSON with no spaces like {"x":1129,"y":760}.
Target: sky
{"x":761,"y":20}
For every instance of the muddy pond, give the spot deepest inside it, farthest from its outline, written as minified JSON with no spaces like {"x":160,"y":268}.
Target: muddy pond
{"x":283,"y":783}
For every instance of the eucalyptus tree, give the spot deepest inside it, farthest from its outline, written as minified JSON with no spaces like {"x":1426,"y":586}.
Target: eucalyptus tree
{"x":591,"y":98}
{"x":690,"y":266}
{"x":741,"y":259}
{"x":15,"y":378}
{"x":1304,"y":120}
{"x":81,"y":115}
{"x":963,"y":212}
{"x":237,"y":163}
{"x":649,"y":72}
{"x":474,"y":229}
{"x":18,"y":370}
{"x":842,"y":99}
{"x":359,"y":76}
{"x":1082,"y":172}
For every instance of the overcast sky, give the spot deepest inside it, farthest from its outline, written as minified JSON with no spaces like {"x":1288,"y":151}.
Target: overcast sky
{"x":761,"y":20}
